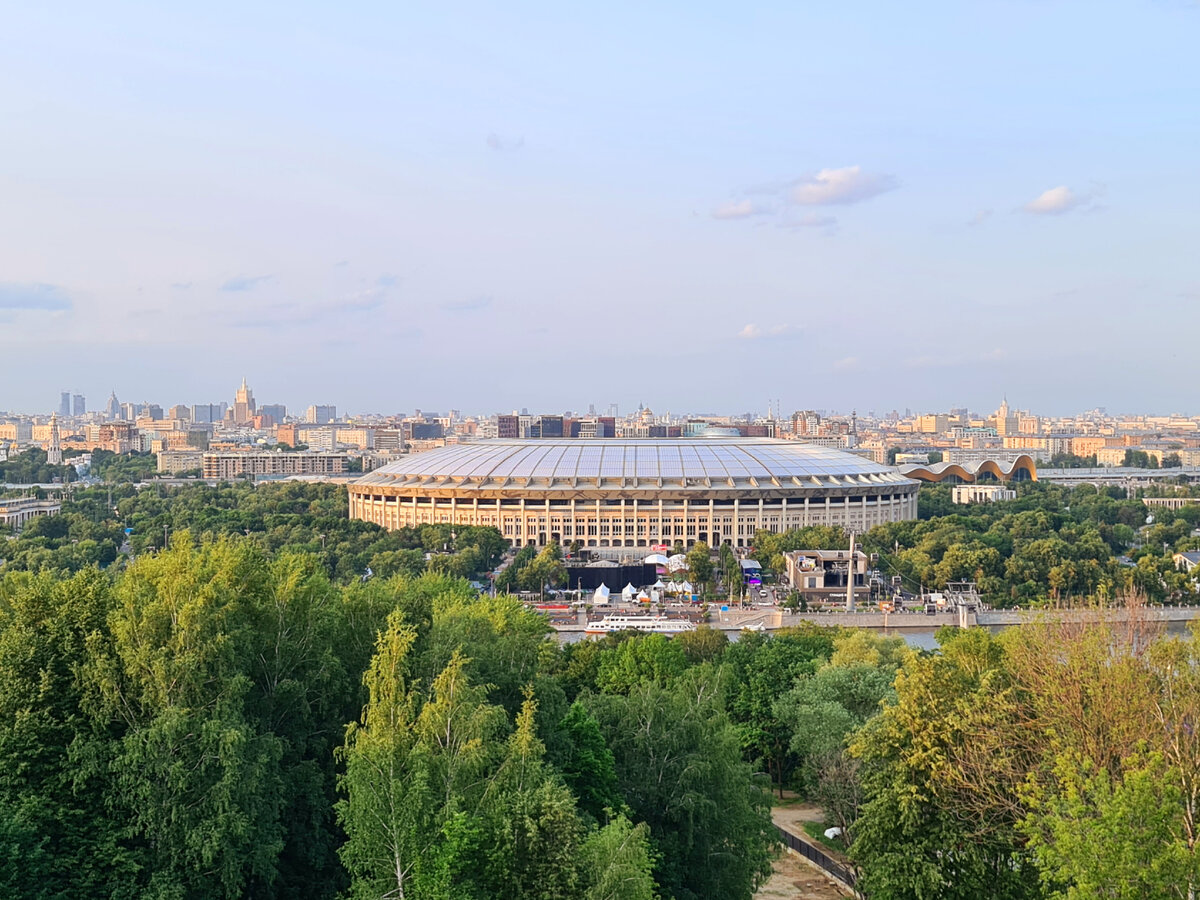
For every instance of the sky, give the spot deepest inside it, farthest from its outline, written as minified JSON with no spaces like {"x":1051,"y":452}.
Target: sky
{"x":695,"y":206}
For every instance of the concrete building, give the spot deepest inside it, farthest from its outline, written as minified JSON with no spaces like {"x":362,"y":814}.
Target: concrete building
{"x":981,"y":493}
{"x":16,"y":511}
{"x":817,"y":574}
{"x":175,"y":461}
{"x":237,"y":464}
{"x":634,"y":493}
{"x":320,"y":415}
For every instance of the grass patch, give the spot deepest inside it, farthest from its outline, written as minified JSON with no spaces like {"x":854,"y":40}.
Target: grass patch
{"x":816,"y":831}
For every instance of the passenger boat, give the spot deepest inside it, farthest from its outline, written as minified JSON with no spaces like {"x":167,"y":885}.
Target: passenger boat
{"x":649,"y":624}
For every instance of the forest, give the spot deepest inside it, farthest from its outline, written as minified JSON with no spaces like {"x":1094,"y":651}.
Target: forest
{"x":211,"y":721}
{"x":280,"y":702}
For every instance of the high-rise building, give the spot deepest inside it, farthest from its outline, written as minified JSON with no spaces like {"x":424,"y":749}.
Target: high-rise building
{"x":320,"y":415}
{"x":113,"y":410}
{"x":243,"y":405}
{"x":276,"y":411}
{"x":508,"y":426}
{"x":64,"y":404}
{"x":129,"y":412}
{"x":79,"y":405}
{"x":181,"y":412}
{"x":207,"y":413}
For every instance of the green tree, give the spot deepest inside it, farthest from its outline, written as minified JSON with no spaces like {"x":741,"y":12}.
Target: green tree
{"x":617,"y":862}
{"x":409,"y":774}
{"x":680,"y":770}
{"x":700,"y":566}
{"x":917,"y":836}
{"x":587,"y":765}
{"x":643,"y":658}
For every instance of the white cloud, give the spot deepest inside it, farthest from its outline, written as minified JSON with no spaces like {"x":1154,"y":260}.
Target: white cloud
{"x":737,"y":209}
{"x":784,"y":201}
{"x":1059,"y":200}
{"x":839,"y":187}
{"x":752,"y":332}
{"x":980,"y":217}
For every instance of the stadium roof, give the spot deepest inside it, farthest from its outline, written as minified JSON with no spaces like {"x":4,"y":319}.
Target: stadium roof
{"x":703,"y":462}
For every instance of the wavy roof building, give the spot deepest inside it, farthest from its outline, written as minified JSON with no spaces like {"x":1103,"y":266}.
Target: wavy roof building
{"x":635,"y":493}
{"x":1022,"y":468}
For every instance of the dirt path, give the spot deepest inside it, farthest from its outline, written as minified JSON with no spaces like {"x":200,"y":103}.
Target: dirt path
{"x":794,"y":879}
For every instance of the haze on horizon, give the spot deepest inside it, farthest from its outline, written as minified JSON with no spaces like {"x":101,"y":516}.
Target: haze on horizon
{"x":542,"y":205}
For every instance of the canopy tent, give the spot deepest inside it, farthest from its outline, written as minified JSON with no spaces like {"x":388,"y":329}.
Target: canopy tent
{"x":674,"y":587}
{"x":643,"y":597}
{"x":655,"y":559}
{"x":658,"y":585}
{"x":686,"y":587}
{"x":628,"y":592}
{"x":601,"y":595}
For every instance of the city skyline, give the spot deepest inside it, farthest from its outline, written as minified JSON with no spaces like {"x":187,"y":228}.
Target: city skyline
{"x":945,"y":203}
{"x":774,"y":407}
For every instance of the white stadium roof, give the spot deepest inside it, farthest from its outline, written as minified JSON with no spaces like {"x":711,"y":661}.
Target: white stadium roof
{"x":712,"y":463}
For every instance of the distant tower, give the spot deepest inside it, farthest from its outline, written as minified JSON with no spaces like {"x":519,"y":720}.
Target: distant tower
{"x":54,"y":450}
{"x":64,"y":404}
{"x":78,"y":405}
{"x":243,"y":405}
{"x":113,"y":410}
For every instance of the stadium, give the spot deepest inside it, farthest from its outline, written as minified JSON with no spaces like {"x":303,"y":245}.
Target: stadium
{"x":636,"y":492}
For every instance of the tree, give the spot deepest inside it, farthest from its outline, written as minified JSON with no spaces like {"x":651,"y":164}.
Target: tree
{"x":762,"y":668}
{"x":703,"y":644}
{"x":1106,"y":837}
{"x":680,"y":771}
{"x":193,"y":774}
{"x":587,"y":765}
{"x":641,"y":659}
{"x":617,"y":862}
{"x":410,"y":771}
{"x":917,"y":835}
{"x":699,"y":562}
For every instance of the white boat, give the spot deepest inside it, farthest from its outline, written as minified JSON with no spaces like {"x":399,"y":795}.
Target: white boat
{"x":650,"y":624}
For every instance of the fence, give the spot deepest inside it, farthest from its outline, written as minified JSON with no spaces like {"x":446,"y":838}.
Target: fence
{"x":813,"y":855}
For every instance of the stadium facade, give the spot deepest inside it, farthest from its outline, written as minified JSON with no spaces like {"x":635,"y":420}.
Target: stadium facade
{"x":634,"y":493}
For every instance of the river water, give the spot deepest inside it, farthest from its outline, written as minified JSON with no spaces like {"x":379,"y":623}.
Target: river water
{"x":919,"y":638}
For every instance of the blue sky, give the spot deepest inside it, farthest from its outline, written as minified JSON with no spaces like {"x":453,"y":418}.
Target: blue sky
{"x":695,"y":206}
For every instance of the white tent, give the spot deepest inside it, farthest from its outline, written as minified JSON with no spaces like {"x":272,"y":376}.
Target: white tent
{"x":673,"y":588}
{"x":643,"y":597}
{"x":655,"y":596}
{"x":627,"y":592}
{"x":686,"y":587}
{"x":658,"y":585}
{"x":601,"y":595}
{"x":655,"y":559}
